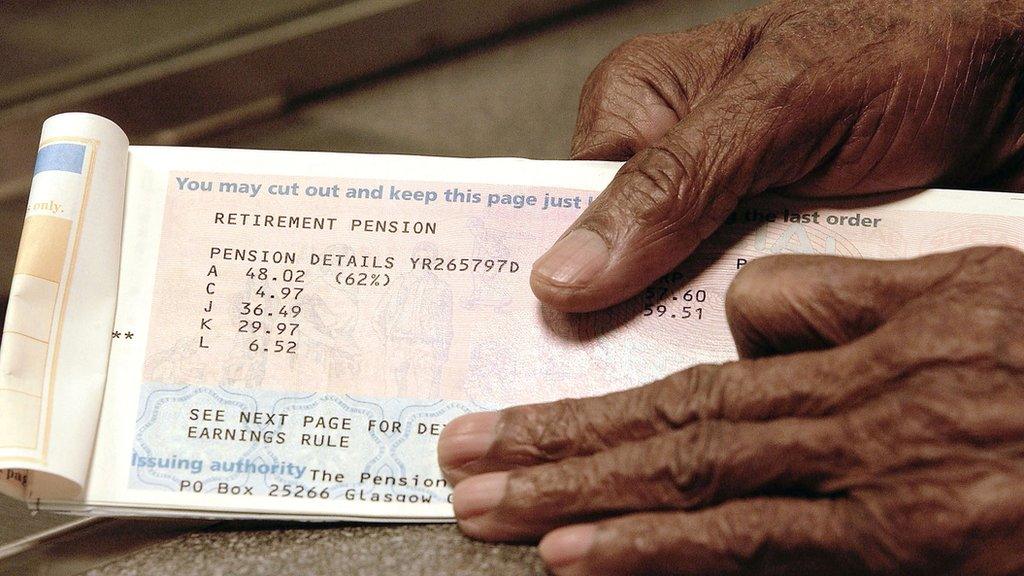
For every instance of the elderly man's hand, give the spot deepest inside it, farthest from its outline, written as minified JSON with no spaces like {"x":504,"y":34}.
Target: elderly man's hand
{"x":876,"y":421}
{"x":875,"y":425}
{"x":809,"y":97}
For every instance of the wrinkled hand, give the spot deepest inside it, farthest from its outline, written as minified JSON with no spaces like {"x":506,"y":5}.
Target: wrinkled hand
{"x":874,"y":425}
{"x":876,"y":421}
{"x":807,"y":97}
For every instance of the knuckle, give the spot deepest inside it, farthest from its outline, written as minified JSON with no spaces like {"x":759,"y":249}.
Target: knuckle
{"x":537,"y":433}
{"x":631,"y":63}
{"x":616,"y":95}
{"x":546,"y":488}
{"x":642,"y":538}
{"x":645,"y":546}
{"x":689,"y":396}
{"x":555,"y":431}
{"x":694,"y":465}
{"x":553,"y":435}
{"x":658,"y":196}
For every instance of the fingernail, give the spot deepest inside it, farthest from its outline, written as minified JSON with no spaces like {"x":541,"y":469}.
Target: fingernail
{"x":574,"y":260}
{"x":479,"y":494}
{"x":466,"y":438}
{"x":567,"y":546}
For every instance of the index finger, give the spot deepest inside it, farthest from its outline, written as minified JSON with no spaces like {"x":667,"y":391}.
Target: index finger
{"x":798,"y":385}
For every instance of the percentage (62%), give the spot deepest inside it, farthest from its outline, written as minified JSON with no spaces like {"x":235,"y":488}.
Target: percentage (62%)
{"x":363,"y":279}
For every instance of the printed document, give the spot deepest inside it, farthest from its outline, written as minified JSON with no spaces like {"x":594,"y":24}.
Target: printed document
{"x":242,"y":333}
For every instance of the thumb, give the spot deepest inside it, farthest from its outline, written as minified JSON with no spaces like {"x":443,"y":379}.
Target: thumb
{"x":790,"y":303}
{"x":673,"y":194}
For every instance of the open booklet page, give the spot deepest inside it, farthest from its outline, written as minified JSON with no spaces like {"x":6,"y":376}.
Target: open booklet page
{"x":292,"y":331}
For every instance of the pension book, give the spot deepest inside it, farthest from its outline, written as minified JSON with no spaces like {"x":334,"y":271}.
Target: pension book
{"x":253,"y":334}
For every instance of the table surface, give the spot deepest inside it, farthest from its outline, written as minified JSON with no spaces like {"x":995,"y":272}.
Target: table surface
{"x":514,"y":96}
{"x":364,"y":550}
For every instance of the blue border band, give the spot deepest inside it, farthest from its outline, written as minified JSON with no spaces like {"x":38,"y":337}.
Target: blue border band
{"x":63,"y":157}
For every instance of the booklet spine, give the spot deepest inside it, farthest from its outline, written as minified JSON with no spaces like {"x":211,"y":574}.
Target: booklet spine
{"x":56,"y":334}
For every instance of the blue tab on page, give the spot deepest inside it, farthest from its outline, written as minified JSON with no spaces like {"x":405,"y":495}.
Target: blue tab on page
{"x":64,"y":157}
